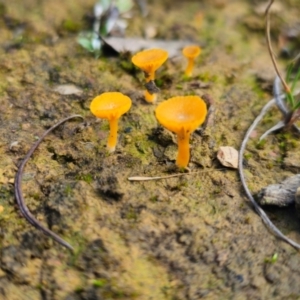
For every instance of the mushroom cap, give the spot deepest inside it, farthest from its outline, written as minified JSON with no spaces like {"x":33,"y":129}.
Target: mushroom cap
{"x":150,"y":60}
{"x":181,"y":113}
{"x":191,"y":51}
{"x":110,"y":105}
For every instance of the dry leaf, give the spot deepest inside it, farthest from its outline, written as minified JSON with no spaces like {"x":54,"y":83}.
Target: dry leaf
{"x":136,"y":44}
{"x":68,"y":89}
{"x":228,"y":157}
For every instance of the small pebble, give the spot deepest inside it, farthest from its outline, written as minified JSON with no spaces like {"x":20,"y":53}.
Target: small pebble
{"x":150,"y":32}
{"x":13,"y":145}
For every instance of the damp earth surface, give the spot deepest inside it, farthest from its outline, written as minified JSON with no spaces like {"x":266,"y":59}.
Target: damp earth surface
{"x":190,"y":237}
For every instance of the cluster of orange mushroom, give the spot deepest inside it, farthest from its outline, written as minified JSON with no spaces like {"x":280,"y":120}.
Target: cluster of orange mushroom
{"x":181,"y":115}
{"x":149,"y":61}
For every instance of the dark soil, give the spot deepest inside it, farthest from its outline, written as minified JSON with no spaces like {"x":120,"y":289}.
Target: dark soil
{"x":188,"y":237}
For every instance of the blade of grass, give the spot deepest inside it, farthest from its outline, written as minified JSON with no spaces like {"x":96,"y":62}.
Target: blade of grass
{"x":295,"y":80}
{"x":289,"y":72}
{"x":297,"y":106}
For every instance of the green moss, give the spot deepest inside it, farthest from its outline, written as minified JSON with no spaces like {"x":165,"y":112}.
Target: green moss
{"x":140,"y":148}
{"x":127,"y":66}
{"x":71,"y":26}
{"x":36,"y":196}
{"x":39,"y":286}
{"x":199,"y":185}
{"x":5,"y":193}
{"x":190,"y":93}
{"x":247,"y":156}
{"x":186,"y":78}
{"x":104,"y":126}
{"x":148,"y":118}
{"x":99,"y":282}
{"x":3,"y":86}
{"x":159,"y":82}
{"x":293,"y":144}
{"x":154,"y":198}
{"x":213,"y":209}
{"x":255,"y":87}
{"x":282,"y":146}
{"x":79,"y":289}
{"x":88,"y":178}
{"x":78,"y":241}
{"x":114,"y":295}
{"x":166,"y":290}
{"x":261,"y":144}
{"x":182,"y":184}
{"x":2,"y":9}
{"x":229,"y":48}
{"x":207,"y":77}
{"x":131,"y":215}
{"x":68,"y":190}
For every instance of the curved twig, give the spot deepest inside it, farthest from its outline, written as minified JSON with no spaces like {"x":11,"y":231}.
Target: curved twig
{"x":279,"y":125}
{"x":258,"y":209}
{"x":268,"y":38}
{"x":18,"y":188}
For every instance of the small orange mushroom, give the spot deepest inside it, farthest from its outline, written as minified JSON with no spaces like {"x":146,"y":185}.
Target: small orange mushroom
{"x":182,"y":115}
{"x":111,"y":106}
{"x":190,"y":52}
{"x":149,"y":61}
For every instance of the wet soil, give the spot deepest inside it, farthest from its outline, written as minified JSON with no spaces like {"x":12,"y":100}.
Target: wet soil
{"x":190,"y":237}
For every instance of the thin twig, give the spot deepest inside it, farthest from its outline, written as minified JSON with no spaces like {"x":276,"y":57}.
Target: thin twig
{"x":146,"y":178}
{"x":258,"y":209}
{"x":276,"y":127}
{"x":268,"y":37}
{"x":281,"y":103}
{"x":18,"y":188}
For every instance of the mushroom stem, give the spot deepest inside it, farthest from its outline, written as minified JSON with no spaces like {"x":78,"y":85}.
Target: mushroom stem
{"x":150,"y":76}
{"x":183,"y":156}
{"x":190,"y":67}
{"x":113,"y":134}
{"x":151,"y":98}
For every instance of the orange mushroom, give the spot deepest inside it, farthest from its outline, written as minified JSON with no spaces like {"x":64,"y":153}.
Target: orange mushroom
{"x":149,"y":61}
{"x":111,"y":106}
{"x":182,"y":115}
{"x":190,"y":52}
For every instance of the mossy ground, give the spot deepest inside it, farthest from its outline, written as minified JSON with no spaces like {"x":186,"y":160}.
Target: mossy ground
{"x":189,"y":237}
